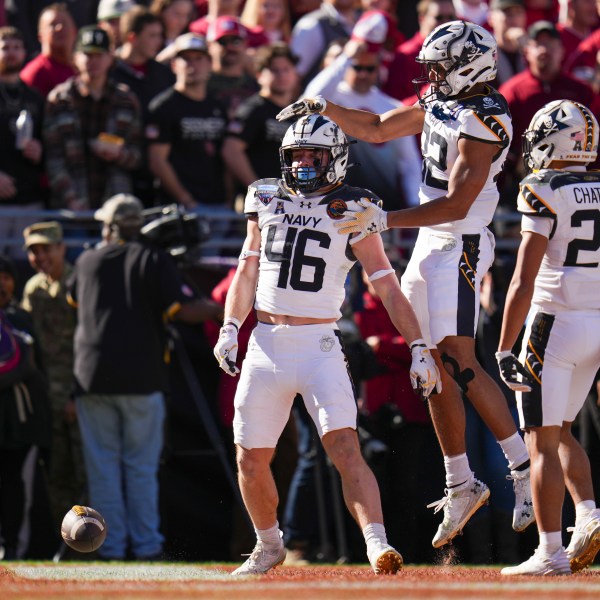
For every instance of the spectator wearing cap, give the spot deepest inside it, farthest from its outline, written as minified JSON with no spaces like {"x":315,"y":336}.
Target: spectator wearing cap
{"x":24,"y":416}
{"x":543,"y":81}
{"x":313,"y":33}
{"x":109,"y":15}
{"x":507,"y":19}
{"x":185,"y":131}
{"x":21,"y":169}
{"x":45,"y":299}
{"x":92,"y":130}
{"x":123,"y":291}
{"x":216,"y":9}
{"x":54,"y":64}
{"x":391,"y":169}
{"x":404,"y":67}
{"x":576,"y":21}
{"x":230,"y":81}
{"x":136,"y":67}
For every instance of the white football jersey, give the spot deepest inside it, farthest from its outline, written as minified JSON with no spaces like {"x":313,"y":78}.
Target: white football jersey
{"x":564,"y":206}
{"x":304,"y":261}
{"x":483,"y":118}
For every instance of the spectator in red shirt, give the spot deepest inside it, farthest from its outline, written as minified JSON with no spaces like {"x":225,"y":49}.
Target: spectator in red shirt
{"x":541,"y":10}
{"x":576,"y":21}
{"x":404,"y":68}
{"x":54,"y":64}
{"x":543,"y":81}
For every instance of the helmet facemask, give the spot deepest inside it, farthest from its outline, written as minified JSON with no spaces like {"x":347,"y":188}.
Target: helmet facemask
{"x":330,"y":147}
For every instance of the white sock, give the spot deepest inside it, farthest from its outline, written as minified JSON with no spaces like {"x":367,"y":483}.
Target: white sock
{"x":583,"y":509}
{"x":515,"y":450}
{"x":550,"y":542}
{"x":374,"y":533}
{"x":457,"y":470}
{"x":271,"y":536}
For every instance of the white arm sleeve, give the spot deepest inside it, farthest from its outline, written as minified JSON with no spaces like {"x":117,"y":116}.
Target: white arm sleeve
{"x":539,"y":225}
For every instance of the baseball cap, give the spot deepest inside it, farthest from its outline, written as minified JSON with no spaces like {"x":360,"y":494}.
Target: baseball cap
{"x":374,"y":27}
{"x":113,"y":9}
{"x":48,"y":232}
{"x":543,"y":27}
{"x":122,"y":209}
{"x":224,"y":26}
{"x":504,"y":4}
{"x":92,"y":39}
{"x":189,"y":41}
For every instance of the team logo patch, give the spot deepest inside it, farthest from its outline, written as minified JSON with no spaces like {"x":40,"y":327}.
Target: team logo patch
{"x":336,"y":209}
{"x":279,"y":210}
{"x":449,"y":246}
{"x":264,"y":197}
{"x":326,"y":343}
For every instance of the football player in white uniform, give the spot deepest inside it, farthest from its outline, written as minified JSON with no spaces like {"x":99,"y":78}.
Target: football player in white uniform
{"x":466,"y":131}
{"x":292,"y":268}
{"x":557,"y":275}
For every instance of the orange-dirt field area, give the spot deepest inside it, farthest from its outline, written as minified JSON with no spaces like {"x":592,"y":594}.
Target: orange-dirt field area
{"x":49,"y":581}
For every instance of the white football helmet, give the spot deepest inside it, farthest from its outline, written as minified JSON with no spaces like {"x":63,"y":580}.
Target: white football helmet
{"x":561,"y":130}
{"x":467,"y":53}
{"x":318,"y":132}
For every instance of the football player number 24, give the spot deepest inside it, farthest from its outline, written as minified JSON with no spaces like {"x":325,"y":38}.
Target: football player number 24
{"x":293,"y":258}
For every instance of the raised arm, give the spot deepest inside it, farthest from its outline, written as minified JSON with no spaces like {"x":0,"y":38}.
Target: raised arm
{"x":362,"y":124}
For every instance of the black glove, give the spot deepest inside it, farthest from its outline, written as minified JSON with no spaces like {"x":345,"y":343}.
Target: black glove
{"x":510,"y":369}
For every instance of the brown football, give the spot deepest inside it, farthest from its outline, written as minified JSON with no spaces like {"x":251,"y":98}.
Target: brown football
{"x":83,"y":529}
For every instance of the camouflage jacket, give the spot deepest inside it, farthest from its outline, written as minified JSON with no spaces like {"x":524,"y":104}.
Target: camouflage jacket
{"x":54,"y":322}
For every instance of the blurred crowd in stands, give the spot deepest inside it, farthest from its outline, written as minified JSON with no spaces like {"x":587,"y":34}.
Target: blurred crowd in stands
{"x":174,"y":101}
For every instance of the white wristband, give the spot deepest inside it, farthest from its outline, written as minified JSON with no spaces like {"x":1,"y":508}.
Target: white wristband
{"x":246,"y":253}
{"x":232,"y":321}
{"x":379,"y":274}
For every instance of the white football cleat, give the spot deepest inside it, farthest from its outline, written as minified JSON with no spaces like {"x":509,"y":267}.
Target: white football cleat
{"x":523,"y":514}
{"x":585,"y":542}
{"x":459,"y":505}
{"x":261,"y":560}
{"x":384,"y":559}
{"x":542,"y":564}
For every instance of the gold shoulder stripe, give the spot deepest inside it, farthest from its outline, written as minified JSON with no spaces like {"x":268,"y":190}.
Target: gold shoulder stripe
{"x":532,"y":199}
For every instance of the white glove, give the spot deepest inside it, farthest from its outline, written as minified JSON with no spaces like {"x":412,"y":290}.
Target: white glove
{"x":510,"y":369}
{"x":424,"y":374}
{"x":305,"y":106}
{"x":226,"y":349}
{"x":373,"y":219}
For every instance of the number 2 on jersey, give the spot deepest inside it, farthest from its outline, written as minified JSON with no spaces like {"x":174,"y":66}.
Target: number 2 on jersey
{"x":293,"y":259}
{"x":432,"y":139}
{"x":576,"y":245}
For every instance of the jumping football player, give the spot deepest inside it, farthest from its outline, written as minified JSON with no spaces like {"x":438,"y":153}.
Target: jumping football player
{"x":466,"y":131}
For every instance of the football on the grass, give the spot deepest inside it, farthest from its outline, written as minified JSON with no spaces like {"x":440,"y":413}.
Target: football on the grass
{"x":83,"y":529}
